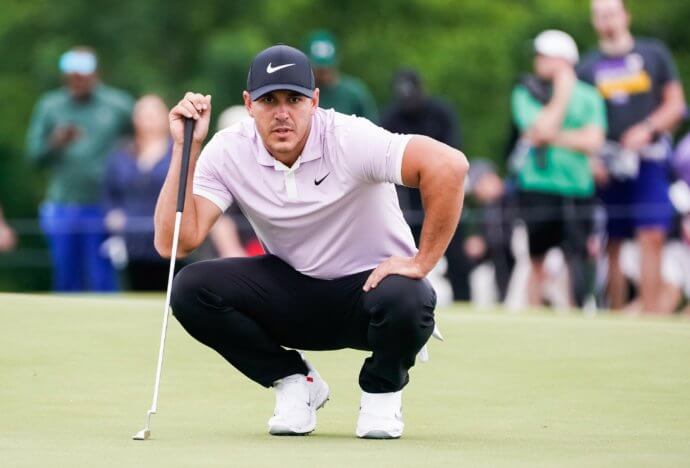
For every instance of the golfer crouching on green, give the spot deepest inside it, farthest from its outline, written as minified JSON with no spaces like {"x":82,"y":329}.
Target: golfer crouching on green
{"x":341,"y":270}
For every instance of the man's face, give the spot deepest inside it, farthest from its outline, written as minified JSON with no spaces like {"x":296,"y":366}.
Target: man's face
{"x":325,"y":76}
{"x":150,"y":116}
{"x":489,"y":188}
{"x":547,"y":67}
{"x":409,"y":93}
{"x":609,"y":18}
{"x":80,"y":85}
{"x":283,"y":119}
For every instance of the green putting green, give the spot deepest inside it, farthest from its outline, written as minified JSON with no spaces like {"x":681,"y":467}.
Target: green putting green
{"x":534,"y":389}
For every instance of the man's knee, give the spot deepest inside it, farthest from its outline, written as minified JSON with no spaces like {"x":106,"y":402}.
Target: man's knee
{"x":403,"y":302}
{"x":189,"y":292}
{"x":651,"y":238}
{"x":197,"y":291}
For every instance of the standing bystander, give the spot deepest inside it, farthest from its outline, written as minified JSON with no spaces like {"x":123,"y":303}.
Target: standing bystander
{"x":72,"y":131}
{"x":344,"y":93}
{"x":492,"y":226}
{"x":413,"y":111}
{"x":562,"y":122}
{"x":134,"y":177}
{"x":644,"y":101}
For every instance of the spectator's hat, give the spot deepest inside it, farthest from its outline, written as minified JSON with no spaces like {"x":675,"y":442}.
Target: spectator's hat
{"x":558,"y":44}
{"x":231,"y":116}
{"x":78,"y":61}
{"x":280,"y":67}
{"x":321,"y":49}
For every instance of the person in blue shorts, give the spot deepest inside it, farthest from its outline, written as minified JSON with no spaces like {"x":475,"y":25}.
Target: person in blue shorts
{"x":72,"y":131}
{"x":644,"y":102}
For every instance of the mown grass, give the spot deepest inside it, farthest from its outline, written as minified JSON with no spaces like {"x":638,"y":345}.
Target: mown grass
{"x":536,"y":389}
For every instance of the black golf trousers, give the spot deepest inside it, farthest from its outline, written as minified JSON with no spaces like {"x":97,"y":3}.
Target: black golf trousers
{"x":249,"y":309}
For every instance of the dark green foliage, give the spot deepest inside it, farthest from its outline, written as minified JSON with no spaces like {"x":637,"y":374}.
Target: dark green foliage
{"x":469,"y":51}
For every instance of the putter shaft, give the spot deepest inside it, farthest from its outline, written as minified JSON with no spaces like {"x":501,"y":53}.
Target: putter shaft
{"x":186,"y":151}
{"x":159,"y":367}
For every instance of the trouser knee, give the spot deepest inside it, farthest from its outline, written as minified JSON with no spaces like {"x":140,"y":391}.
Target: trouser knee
{"x":189,"y":295}
{"x":403,"y":309}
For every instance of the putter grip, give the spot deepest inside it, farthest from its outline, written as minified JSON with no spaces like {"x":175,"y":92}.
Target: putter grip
{"x":184,"y":169}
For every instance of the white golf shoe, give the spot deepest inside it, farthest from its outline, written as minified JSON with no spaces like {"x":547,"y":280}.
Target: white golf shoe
{"x":297,"y":399}
{"x":380,"y":416}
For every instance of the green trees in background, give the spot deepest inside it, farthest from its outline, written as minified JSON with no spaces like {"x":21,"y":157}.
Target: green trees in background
{"x":468,"y":51}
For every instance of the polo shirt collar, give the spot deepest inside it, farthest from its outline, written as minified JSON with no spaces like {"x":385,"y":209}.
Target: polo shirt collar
{"x":313,"y":149}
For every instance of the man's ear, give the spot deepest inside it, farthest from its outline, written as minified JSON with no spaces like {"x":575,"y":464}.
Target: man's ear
{"x":315,"y":99}
{"x":247,"y":102}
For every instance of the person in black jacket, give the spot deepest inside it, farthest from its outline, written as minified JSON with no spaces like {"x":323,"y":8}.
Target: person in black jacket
{"x":412,"y":111}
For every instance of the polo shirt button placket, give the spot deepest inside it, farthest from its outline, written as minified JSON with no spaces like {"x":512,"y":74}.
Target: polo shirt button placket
{"x":289,"y":176}
{"x":291,"y":185}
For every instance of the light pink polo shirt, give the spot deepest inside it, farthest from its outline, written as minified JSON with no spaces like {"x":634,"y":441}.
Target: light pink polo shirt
{"x":335,"y":212}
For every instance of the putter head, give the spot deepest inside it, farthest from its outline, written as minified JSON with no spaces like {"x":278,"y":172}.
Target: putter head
{"x":437,"y":334}
{"x":142,"y":434}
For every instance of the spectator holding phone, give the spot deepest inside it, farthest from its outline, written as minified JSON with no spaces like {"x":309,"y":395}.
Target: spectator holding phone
{"x":562,"y":123}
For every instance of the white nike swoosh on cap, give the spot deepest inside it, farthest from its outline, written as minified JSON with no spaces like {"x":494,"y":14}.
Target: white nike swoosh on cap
{"x":270,"y":69}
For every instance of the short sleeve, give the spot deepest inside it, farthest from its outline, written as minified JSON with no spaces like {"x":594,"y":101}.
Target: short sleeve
{"x":667,"y":71}
{"x":371,"y":153}
{"x":524,"y":108}
{"x":597,"y":110}
{"x":207,"y":180}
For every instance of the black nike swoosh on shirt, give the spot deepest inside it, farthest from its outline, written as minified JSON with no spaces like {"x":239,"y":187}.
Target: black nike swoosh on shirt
{"x":317,"y":182}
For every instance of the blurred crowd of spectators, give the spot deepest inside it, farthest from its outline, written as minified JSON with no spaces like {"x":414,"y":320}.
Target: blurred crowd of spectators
{"x":592,"y":194}
{"x":591,"y":208}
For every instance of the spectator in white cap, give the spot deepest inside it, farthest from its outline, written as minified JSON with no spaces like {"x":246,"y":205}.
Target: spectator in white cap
{"x":562,"y":122}
{"x":72,"y":131}
{"x":557,"y":44}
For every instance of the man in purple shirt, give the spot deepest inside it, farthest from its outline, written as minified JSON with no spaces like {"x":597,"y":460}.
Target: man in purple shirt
{"x":341,"y":270}
{"x":644,"y":103}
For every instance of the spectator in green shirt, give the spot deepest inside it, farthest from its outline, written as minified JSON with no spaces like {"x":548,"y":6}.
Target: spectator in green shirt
{"x":72,"y":131}
{"x":562,"y":122}
{"x":341,"y":92}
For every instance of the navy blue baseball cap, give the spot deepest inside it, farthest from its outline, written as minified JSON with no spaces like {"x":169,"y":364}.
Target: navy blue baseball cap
{"x":280,"y":67}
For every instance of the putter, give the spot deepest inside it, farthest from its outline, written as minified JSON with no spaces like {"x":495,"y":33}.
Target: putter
{"x":145,"y":433}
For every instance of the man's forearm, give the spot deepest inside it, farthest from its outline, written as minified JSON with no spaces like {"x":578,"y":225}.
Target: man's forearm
{"x":588,"y":140}
{"x":442,"y":190}
{"x":550,"y":120}
{"x":166,"y":207}
{"x":671,"y":111}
